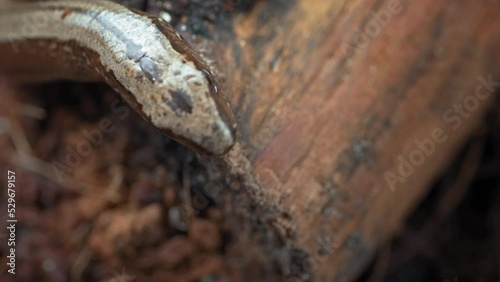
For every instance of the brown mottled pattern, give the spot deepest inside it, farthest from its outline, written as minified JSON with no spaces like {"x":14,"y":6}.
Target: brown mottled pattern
{"x":183,"y":47}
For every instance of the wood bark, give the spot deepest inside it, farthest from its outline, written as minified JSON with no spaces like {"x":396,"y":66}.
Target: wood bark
{"x":348,"y":110}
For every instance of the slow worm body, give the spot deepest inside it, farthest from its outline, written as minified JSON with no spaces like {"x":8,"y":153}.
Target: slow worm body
{"x":142,"y":57}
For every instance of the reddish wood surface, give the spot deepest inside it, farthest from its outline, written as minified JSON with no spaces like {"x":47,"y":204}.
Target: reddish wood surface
{"x":326,"y":118}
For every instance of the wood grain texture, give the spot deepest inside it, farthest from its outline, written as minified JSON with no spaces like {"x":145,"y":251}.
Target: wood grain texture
{"x":326,"y":116}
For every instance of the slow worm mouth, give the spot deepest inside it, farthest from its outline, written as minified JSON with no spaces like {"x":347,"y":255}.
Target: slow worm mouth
{"x":102,"y":40}
{"x":207,"y":145}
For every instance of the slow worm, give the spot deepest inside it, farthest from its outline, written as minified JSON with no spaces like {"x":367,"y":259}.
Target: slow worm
{"x":141,"y":56}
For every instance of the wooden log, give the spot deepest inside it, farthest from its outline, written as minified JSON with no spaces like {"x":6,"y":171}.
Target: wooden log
{"x":348,"y":110}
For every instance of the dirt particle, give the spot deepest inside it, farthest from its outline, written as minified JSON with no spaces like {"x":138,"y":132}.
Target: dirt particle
{"x":205,"y":233}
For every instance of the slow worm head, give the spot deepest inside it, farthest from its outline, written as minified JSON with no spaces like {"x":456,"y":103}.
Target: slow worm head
{"x":140,"y":56}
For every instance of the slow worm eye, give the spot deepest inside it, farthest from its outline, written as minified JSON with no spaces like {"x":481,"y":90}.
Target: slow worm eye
{"x":211,"y":81}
